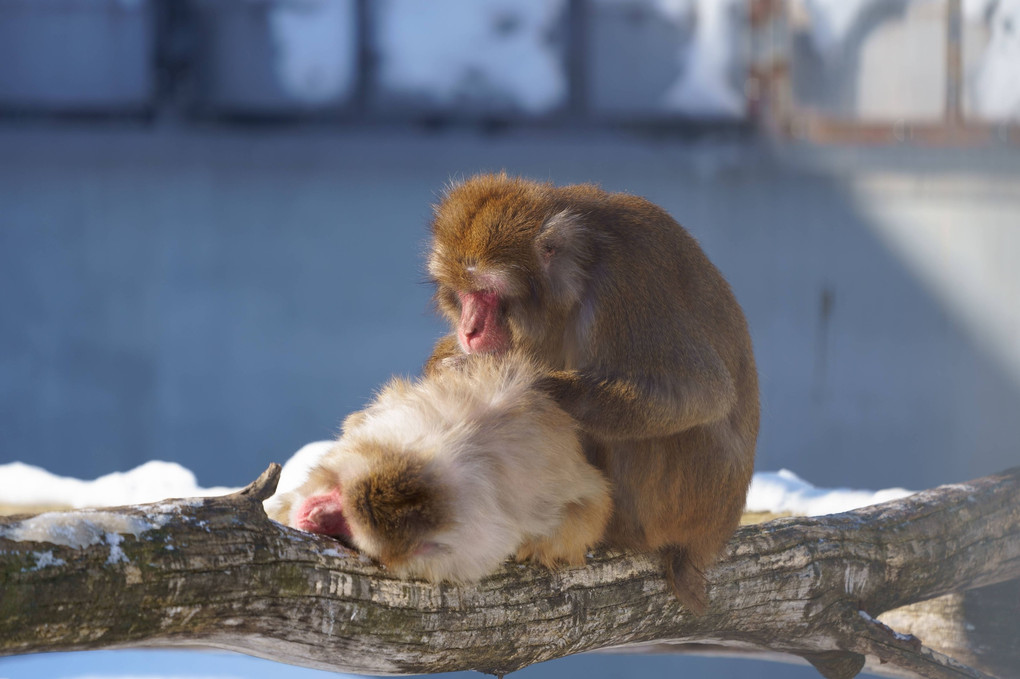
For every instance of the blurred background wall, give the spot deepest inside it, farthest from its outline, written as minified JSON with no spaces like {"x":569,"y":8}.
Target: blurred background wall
{"x":530,"y":62}
{"x":213,"y":212}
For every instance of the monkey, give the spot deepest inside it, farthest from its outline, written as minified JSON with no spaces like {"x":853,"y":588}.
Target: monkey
{"x":445,"y":477}
{"x":641,"y":339}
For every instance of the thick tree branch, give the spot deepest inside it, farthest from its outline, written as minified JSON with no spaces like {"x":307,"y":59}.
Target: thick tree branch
{"x":216,"y":572}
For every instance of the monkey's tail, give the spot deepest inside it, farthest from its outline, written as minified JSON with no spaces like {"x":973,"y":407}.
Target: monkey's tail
{"x":685,"y":579}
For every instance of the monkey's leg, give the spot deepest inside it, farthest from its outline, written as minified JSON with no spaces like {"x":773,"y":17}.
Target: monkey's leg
{"x":581,"y":528}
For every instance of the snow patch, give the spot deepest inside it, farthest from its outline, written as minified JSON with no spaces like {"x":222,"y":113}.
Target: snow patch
{"x":46,"y":559}
{"x":315,"y":43}
{"x":479,"y":52}
{"x":832,"y":21}
{"x":705,"y":87}
{"x":116,"y":553}
{"x":296,"y":469}
{"x":78,"y":530}
{"x":899,"y":635}
{"x":785,"y":492}
{"x":994,"y":83}
{"x":976,"y":10}
{"x":24,"y":484}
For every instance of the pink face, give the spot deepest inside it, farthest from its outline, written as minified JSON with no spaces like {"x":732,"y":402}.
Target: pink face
{"x":481,"y":329}
{"x":322,"y":514}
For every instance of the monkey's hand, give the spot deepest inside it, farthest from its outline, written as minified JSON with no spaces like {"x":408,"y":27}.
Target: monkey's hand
{"x":455,"y":362}
{"x":447,"y":348}
{"x":638,"y":407}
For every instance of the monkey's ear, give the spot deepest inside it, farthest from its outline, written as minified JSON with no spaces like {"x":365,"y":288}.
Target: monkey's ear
{"x":562,"y":246}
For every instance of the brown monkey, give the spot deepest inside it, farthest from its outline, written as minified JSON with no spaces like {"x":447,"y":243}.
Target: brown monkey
{"x":446,"y":477}
{"x":643,"y":340}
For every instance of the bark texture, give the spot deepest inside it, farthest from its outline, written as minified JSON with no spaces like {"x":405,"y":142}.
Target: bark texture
{"x":217,"y":573}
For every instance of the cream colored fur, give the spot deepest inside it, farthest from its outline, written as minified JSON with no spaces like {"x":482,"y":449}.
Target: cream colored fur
{"x":507,"y":457}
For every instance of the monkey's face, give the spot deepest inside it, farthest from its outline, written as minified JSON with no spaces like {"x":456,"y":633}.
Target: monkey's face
{"x":503,"y":264}
{"x":323,"y":513}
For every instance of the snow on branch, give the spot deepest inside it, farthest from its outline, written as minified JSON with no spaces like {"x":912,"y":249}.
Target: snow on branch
{"x":216,"y":572}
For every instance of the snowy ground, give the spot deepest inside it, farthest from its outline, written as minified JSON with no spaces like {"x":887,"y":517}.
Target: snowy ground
{"x":24,"y":484}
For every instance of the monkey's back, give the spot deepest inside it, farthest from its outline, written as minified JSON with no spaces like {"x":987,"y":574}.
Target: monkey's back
{"x":501,"y":421}
{"x":665,"y":298}
{"x":508,"y":455}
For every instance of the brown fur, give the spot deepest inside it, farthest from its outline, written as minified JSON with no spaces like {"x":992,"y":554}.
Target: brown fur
{"x":399,"y":502}
{"x":644,"y":344}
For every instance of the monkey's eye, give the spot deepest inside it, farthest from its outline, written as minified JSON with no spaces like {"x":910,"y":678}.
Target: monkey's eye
{"x":448,"y":298}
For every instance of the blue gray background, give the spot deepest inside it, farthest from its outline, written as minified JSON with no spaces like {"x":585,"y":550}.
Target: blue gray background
{"x":220,"y":297}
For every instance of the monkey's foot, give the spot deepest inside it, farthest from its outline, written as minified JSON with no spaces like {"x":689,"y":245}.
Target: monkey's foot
{"x":551,"y":553}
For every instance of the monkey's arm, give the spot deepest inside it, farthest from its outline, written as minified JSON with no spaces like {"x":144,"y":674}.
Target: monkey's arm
{"x":645,"y":406}
{"x":445,"y":348}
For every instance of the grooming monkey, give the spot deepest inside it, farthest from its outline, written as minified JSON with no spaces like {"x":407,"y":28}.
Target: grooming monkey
{"x":446,"y":477}
{"x":643,"y":344}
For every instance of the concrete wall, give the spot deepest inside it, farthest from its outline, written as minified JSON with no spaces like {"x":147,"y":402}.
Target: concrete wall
{"x":222,"y":298}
